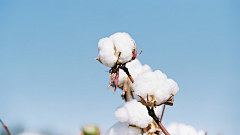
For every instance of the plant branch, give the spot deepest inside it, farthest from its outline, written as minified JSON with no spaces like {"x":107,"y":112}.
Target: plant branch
{"x":6,"y":128}
{"x":155,"y":118}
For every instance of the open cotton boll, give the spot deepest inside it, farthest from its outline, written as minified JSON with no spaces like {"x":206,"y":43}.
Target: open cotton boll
{"x":156,"y":84}
{"x":106,"y":52}
{"x":134,"y":113}
{"x":182,"y":129}
{"x":123,"y":128}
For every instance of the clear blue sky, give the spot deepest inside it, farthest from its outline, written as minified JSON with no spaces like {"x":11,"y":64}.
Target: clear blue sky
{"x":49,"y":79}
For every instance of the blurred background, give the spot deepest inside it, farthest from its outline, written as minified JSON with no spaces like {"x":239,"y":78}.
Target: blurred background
{"x":51,"y":84}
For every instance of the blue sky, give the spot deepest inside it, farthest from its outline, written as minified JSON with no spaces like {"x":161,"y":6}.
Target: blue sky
{"x":49,"y":79}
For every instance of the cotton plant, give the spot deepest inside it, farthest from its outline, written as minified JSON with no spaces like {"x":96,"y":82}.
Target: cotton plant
{"x":151,"y":89}
{"x":182,"y":129}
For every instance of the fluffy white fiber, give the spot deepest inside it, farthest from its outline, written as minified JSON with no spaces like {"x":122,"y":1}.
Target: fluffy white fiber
{"x":135,"y":113}
{"x":118,"y":42}
{"x":182,"y":129}
{"x":154,"y":83}
{"x":135,"y":68}
{"x":121,"y":128}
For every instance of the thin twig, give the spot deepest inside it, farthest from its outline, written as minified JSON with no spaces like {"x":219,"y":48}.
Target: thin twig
{"x":162,"y":113}
{"x":6,"y":128}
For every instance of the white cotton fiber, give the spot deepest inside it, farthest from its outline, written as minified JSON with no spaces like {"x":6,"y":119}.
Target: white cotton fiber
{"x":182,"y":129}
{"x":118,"y":42}
{"x":135,"y":113}
{"x":123,"y":128}
{"x":154,"y":83}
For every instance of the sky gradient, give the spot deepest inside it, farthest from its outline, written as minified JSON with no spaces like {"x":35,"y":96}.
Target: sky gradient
{"x":49,"y":79}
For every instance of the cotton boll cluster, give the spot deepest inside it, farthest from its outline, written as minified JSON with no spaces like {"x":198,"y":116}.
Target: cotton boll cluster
{"x":154,"y":83}
{"x":135,"y":113}
{"x":182,"y":129}
{"x":135,"y":68}
{"x":109,"y":49}
{"x":123,"y":128}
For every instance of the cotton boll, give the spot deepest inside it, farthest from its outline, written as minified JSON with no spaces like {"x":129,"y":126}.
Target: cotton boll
{"x":182,"y":129}
{"x":121,"y":128}
{"x":109,"y":47}
{"x":137,"y":114}
{"x":156,"y":84}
